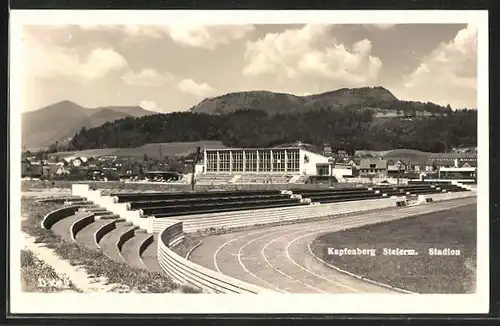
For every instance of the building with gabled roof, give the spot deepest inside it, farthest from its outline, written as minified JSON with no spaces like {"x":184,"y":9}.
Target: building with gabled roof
{"x":376,"y":168}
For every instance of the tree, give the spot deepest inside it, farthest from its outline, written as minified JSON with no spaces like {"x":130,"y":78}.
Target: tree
{"x":414,"y":112}
{"x":53,"y":148}
{"x":111,"y":175}
{"x":254,"y":128}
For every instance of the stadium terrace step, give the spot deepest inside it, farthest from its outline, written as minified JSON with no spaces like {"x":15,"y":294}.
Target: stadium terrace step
{"x":249,"y":178}
{"x":130,"y":197}
{"x":90,"y":208}
{"x":150,"y":256}
{"x":339,"y":197}
{"x":108,"y":217}
{"x":173,"y":207}
{"x":235,"y":178}
{"x":295,"y":179}
{"x":75,"y":199}
{"x":214,"y":178}
{"x":301,"y":180}
{"x":102,"y":213}
{"x":94,"y":208}
{"x":168,"y":213}
{"x":87,"y":236}
{"x":62,"y":228}
{"x":167,"y":202}
{"x":109,"y":241}
{"x":79,"y":202}
{"x":130,"y":249}
{"x":227,"y":222}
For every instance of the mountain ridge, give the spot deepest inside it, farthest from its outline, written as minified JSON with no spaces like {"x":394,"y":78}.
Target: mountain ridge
{"x":376,"y":97}
{"x":41,"y":130}
{"x":61,"y":120}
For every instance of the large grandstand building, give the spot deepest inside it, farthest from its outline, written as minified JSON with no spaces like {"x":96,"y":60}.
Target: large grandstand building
{"x":266,"y":160}
{"x":268,"y":165}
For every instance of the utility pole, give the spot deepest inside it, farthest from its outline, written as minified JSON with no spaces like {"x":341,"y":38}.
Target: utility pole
{"x":193,"y":167}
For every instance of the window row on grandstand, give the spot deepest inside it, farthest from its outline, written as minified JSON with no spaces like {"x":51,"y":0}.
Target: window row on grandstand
{"x":253,"y":160}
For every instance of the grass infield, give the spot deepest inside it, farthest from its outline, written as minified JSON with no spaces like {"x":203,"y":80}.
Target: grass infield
{"x":423,"y":273}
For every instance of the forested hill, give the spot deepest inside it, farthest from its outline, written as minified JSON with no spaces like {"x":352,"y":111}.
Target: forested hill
{"x":254,"y":128}
{"x":271,"y":102}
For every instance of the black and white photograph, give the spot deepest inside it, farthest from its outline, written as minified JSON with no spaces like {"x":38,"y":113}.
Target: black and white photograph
{"x":249,"y":162}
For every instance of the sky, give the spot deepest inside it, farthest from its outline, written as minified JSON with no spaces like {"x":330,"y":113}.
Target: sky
{"x":168,"y":68}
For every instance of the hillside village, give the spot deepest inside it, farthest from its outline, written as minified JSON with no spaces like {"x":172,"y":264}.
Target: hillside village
{"x":363,"y":164}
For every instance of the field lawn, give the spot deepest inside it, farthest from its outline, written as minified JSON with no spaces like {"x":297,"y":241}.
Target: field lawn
{"x":158,"y":150}
{"x":422,"y":273}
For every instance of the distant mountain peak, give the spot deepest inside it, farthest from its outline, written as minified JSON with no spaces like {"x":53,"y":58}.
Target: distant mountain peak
{"x":280,"y":102}
{"x":43,"y":127}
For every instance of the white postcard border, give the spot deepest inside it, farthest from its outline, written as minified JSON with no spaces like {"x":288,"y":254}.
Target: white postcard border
{"x":63,"y":303}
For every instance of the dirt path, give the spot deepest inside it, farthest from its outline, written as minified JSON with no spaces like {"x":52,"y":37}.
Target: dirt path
{"x":77,"y":275}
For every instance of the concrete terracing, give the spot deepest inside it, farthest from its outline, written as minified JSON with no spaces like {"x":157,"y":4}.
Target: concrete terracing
{"x":96,"y":228}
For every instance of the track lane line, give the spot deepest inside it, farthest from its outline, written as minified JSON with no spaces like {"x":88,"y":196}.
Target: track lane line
{"x":407,"y":212}
{"x":333,"y":229}
{"x":425,"y":210}
{"x":231,"y":241}
{"x":248,"y":271}
{"x":291,"y":227}
{"x":263,"y":254}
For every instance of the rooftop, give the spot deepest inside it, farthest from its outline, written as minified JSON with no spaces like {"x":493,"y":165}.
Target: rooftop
{"x":379,"y":164}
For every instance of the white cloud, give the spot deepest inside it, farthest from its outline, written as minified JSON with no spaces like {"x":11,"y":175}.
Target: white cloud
{"x":201,"y":36}
{"x":312,"y":51}
{"x":207,"y":37}
{"x":449,"y":73}
{"x":382,"y":27}
{"x":147,"y":78}
{"x":150,"y":106}
{"x":189,"y":86}
{"x":52,"y":59}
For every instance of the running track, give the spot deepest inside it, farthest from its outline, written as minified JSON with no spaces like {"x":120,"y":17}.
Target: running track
{"x":279,"y":258}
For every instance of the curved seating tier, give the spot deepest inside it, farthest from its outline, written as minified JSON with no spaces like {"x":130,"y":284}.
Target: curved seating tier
{"x":97,"y":229}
